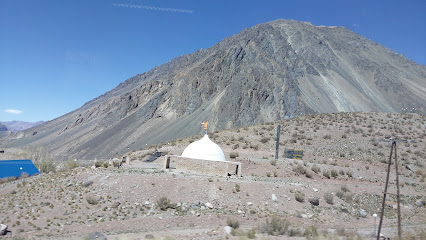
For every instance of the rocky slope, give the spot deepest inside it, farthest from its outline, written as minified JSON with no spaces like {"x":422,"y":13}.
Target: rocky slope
{"x":261,"y":74}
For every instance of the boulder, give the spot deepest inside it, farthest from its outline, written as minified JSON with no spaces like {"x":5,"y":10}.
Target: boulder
{"x":87,"y":183}
{"x":96,"y":236}
{"x":209,"y":205}
{"x":3,"y":229}
{"x":314,"y":201}
{"x":115,"y":204}
{"x":363,"y":213}
{"x":227,"y":229}
{"x":420,"y":203}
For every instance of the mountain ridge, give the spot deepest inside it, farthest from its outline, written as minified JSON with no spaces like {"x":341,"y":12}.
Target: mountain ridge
{"x":261,"y":74}
{"x":15,"y":126}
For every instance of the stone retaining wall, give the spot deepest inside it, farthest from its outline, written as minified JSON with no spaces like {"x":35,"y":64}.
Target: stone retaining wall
{"x":208,"y":167}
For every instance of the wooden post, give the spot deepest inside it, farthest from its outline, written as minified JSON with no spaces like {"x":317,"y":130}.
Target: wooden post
{"x":386,"y":192}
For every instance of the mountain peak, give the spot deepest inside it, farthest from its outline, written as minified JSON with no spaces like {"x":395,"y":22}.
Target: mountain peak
{"x":262,"y":74}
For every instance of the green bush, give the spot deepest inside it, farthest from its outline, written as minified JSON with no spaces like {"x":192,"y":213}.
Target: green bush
{"x":71,"y":164}
{"x":275,"y":226}
{"x":315,"y":169}
{"x":233,"y":223}
{"x":334,"y":173}
{"x":300,"y":170}
{"x":163,"y":203}
{"x":299,"y":196}
{"x":328,"y":197}
{"x":251,"y":234}
{"x":234,"y":155}
{"x":340,"y":194}
{"x":326,"y":174}
{"x":344,"y":188}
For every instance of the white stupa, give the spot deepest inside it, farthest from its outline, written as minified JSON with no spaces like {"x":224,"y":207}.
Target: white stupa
{"x":204,"y":149}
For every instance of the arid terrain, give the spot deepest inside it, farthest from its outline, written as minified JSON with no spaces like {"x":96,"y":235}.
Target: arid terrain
{"x":331,"y":194}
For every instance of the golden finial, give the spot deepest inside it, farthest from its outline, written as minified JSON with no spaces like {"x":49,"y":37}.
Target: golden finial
{"x":205,"y":125}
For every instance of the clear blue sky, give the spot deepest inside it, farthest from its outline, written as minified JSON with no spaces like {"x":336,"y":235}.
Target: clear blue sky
{"x":55,"y":55}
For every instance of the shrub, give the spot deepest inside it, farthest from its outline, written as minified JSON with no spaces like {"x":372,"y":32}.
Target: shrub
{"x":344,"y":188}
{"x":237,"y":188}
{"x":340,"y":194}
{"x":71,"y":164}
{"x":299,"y":196}
{"x":275,"y":226}
{"x":294,"y":232}
{"x":300,"y":170}
{"x":349,"y":173}
{"x":264,"y":140}
{"x":268,"y":174}
{"x":315,"y":169}
{"x":334,"y":173}
{"x":254,"y":147}
{"x":326,"y":174}
{"x":328,"y":136}
{"x":24,"y":175}
{"x":328,"y":197}
{"x":233,"y":223}
{"x":251,"y":234}
{"x":105,"y":164}
{"x":98,"y":164}
{"x":163,"y":203}
{"x":46,"y":166}
{"x":234,"y":155}
{"x":273,"y":162}
{"x":311,"y":231}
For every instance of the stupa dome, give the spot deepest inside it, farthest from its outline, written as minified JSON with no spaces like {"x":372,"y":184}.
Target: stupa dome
{"x":204,"y":149}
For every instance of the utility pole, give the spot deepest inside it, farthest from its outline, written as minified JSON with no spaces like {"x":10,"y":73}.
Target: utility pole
{"x":393,"y":146}
{"x":277,"y":144}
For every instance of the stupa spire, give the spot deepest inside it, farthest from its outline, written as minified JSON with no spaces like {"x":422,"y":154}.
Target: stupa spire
{"x":205,"y":125}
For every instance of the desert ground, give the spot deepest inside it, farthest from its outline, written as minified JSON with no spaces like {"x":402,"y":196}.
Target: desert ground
{"x":332,"y":193}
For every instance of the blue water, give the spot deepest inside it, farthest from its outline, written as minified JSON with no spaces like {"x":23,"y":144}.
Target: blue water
{"x":9,"y":168}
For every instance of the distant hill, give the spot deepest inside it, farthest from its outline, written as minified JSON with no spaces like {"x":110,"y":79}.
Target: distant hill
{"x":262,"y":74}
{"x":15,"y":126}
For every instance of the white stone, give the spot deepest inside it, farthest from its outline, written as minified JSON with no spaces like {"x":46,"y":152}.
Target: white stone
{"x":249,"y":203}
{"x":227,"y":229}
{"x":274,"y":198}
{"x":209,"y":205}
{"x":204,"y":149}
{"x":315,"y":190}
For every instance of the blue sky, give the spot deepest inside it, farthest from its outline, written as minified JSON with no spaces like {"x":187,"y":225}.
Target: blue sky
{"x":57,"y":55}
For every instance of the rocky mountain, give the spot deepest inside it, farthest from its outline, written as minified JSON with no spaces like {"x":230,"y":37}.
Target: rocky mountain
{"x":15,"y":126}
{"x":264,"y":73}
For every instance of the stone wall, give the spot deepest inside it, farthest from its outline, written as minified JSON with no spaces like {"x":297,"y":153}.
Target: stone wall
{"x":208,"y":167}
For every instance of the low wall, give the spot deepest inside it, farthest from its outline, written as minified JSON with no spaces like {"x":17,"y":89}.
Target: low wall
{"x":207,"y":167}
